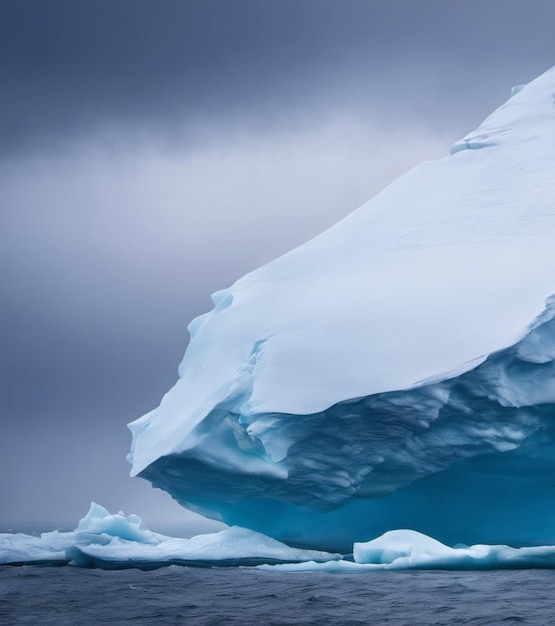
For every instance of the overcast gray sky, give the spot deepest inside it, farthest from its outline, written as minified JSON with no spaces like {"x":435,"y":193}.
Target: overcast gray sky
{"x":152,"y":152}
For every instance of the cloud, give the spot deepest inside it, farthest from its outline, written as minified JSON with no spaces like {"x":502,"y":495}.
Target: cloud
{"x":72,"y":67}
{"x":114,"y":224}
{"x":152,"y":153}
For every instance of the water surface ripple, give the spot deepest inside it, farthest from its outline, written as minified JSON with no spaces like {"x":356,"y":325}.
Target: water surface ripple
{"x":45,"y":596}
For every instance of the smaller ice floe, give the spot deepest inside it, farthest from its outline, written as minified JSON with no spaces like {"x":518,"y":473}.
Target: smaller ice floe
{"x":116,"y":541}
{"x":409,"y":549}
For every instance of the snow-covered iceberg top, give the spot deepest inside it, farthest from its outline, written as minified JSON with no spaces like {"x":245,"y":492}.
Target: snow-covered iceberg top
{"x":448,"y":264}
{"x":114,"y":541}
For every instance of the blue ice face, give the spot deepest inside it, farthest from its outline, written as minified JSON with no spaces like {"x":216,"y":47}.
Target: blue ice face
{"x":465,"y":460}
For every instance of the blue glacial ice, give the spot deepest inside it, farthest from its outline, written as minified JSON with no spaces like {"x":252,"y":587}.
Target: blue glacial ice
{"x":408,"y":549}
{"x":116,"y":541}
{"x":397,"y":371}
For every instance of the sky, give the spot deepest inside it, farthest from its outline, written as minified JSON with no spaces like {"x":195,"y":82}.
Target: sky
{"x":152,"y":152}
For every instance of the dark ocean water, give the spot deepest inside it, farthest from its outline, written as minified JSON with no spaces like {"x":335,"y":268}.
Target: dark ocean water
{"x":181,"y":595}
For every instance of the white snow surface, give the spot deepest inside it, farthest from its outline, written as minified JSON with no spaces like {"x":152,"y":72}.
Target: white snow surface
{"x":450,"y":263}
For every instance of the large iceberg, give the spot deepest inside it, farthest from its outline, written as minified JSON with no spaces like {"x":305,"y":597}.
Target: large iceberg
{"x":397,"y":371}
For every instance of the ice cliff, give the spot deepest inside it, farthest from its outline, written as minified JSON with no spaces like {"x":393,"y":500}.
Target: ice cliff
{"x":397,"y":371}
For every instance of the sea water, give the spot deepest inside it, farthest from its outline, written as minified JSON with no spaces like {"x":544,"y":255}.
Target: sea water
{"x":32,"y":595}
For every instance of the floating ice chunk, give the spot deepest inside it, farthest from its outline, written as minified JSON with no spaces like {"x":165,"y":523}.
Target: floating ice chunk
{"x":397,"y":544}
{"x":99,"y":521}
{"x":19,"y":549}
{"x":109,"y":541}
{"x":232,"y":546}
{"x":409,"y":549}
{"x":98,"y":527}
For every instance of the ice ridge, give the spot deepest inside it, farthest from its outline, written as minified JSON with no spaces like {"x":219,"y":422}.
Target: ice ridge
{"x":115,"y":541}
{"x":107,"y":541}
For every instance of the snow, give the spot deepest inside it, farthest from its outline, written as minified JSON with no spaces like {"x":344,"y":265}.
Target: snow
{"x":395,"y":371}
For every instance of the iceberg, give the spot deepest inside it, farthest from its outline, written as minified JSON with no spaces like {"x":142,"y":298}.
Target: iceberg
{"x":396,"y":371}
{"x":410,"y":550}
{"x":115,"y":541}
